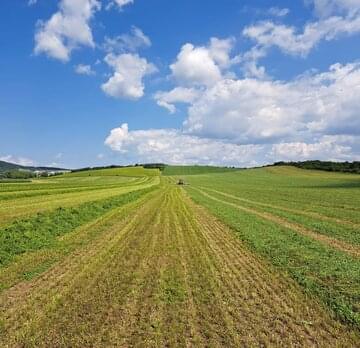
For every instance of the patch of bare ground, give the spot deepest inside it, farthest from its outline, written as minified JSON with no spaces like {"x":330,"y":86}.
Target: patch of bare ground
{"x":167,"y":275}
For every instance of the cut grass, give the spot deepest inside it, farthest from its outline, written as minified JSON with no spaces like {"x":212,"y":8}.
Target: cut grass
{"x":22,"y":207}
{"x":324,"y":272}
{"x":333,"y":195}
{"x":42,"y":230}
{"x":127,"y":262}
{"x":195,"y":170}
{"x":165,"y":275}
{"x":33,"y":263}
{"x":339,"y":231}
{"x":126,"y":171}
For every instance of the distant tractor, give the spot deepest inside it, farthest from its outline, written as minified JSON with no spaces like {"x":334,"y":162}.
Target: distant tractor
{"x":181,"y":182}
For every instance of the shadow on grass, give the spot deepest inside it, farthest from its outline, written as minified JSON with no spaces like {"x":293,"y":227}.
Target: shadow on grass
{"x":337,"y":185}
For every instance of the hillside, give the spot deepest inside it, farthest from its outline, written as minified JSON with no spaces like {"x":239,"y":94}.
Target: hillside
{"x":121,"y":171}
{"x":329,"y":166}
{"x":194,"y":170}
{"x":7,"y":166}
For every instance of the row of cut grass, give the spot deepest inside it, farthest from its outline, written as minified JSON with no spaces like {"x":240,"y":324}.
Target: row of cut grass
{"x":60,"y":189}
{"x":33,"y":263}
{"x":333,"y":195}
{"x":41,"y":231}
{"x":326,"y":273}
{"x":27,"y":206}
{"x":334,"y":228}
{"x":195,"y":170}
{"x":125,"y":171}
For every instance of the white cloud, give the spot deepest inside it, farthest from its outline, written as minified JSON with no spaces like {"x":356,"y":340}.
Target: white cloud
{"x":127,"y":80}
{"x":291,"y":41}
{"x":18,"y":160}
{"x":32,"y":2}
{"x":127,"y":42}
{"x":249,"y":122}
{"x":195,"y":66}
{"x":250,"y":65}
{"x":325,"y":8}
{"x":67,"y":29}
{"x":122,"y":3}
{"x":177,"y":95}
{"x":278,"y":12}
{"x":327,"y":148}
{"x":173,"y":147}
{"x":252,"y":111}
{"x":202,"y":65}
{"x":83,"y":69}
{"x":220,"y":49}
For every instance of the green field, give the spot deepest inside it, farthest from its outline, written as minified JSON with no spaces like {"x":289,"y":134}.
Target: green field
{"x":126,"y":171}
{"x":306,"y":223}
{"x":194,"y":170}
{"x":126,"y":258}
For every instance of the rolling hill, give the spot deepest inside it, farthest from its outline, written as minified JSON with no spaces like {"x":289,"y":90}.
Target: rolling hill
{"x":7,"y":166}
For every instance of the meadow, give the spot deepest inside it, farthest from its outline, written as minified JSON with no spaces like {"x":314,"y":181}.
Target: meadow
{"x":125,"y":257}
{"x":306,"y":223}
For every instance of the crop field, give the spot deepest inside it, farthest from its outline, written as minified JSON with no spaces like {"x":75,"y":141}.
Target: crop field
{"x":194,"y":170}
{"x":264,"y":257}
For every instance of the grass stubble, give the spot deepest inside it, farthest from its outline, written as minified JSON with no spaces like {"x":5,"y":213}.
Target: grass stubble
{"x":165,"y":274}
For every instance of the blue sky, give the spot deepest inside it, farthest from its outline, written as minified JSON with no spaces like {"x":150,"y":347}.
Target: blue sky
{"x":94,"y":82}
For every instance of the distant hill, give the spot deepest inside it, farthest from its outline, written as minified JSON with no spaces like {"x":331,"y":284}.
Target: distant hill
{"x":329,"y":166}
{"x":7,"y":166}
{"x":115,"y":171}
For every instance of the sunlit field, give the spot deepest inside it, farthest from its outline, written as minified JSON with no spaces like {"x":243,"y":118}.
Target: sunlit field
{"x":119,"y":257}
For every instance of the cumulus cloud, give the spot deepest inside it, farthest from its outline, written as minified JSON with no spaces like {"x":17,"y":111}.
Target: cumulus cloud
{"x":331,"y":148}
{"x":121,"y":3}
{"x":292,"y":41}
{"x":250,"y":63}
{"x":67,"y":29}
{"x":195,"y":66}
{"x":326,"y":8}
{"x":177,"y":95}
{"x":251,"y":110}
{"x":127,"y":79}
{"x":22,"y":161}
{"x":278,"y":12}
{"x":174,"y":147}
{"x":127,"y":42}
{"x":246,"y":122}
{"x":84,"y":69}
{"x":202,"y":65}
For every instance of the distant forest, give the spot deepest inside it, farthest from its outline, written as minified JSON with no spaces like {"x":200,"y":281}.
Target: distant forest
{"x":345,"y":167}
{"x":159,"y":166}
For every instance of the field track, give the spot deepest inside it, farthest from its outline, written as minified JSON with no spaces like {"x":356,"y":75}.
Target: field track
{"x":166,"y":275}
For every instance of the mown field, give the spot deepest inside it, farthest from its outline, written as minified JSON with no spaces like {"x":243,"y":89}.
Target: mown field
{"x":195,"y":170}
{"x":127,"y":258}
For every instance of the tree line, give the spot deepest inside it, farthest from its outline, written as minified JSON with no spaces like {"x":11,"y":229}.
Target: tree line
{"x":345,"y":167}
